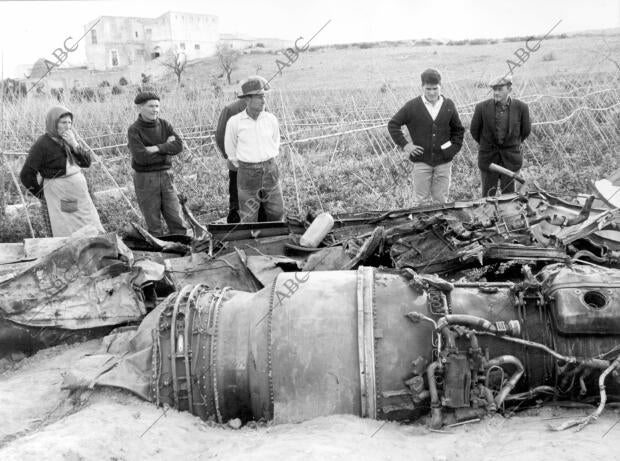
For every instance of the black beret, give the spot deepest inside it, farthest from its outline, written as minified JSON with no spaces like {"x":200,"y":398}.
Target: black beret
{"x":145,"y":96}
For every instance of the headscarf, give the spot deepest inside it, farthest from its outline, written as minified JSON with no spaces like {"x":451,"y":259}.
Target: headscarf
{"x":51,"y":127}
{"x":52,"y":117}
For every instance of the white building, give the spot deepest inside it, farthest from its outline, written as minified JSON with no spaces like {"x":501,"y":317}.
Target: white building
{"x":115,"y":41}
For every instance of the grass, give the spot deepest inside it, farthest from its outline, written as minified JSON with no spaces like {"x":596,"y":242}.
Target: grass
{"x":332,"y":91}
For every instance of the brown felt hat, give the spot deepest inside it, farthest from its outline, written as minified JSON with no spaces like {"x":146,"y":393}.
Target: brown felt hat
{"x":254,"y":85}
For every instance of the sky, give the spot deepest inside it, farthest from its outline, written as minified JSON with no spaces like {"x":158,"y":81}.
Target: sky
{"x":30,"y":30}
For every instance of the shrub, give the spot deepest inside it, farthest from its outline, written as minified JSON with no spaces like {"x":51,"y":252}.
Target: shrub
{"x":365,"y":45}
{"x":548,"y":57}
{"x":84,"y":94}
{"x":122,"y":81}
{"x":58,"y":93}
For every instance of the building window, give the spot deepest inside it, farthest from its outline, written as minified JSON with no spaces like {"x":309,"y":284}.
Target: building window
{"x":148,"y":33}
{"x":182,"y":46}
{"x":136,"y":34}
{"x":196,"y":46}
{"x":114,"y":58}
{"x":93,"y":37}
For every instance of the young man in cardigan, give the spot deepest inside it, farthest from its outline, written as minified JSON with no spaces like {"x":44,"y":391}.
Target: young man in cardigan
{"x":436,"y":137}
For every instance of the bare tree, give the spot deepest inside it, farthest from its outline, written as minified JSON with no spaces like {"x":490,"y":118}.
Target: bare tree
{"x":227,"y":57}
{"x":177,"y":63}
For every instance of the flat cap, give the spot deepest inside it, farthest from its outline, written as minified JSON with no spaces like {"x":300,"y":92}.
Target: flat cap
{"x":431,"y":77}
{"x":145,"y":96}
{"x":501,"y":81}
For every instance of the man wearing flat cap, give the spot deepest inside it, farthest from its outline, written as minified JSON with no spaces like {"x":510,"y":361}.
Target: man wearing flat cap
{"x":252,"y":143}
{"x":436,"y":137}
{"x":499,"y":125}
{"x":152,"y":142}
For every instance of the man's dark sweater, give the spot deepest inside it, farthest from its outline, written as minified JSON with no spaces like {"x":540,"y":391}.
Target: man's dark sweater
{"x":143,"y":134}
{"x":428,"y":133}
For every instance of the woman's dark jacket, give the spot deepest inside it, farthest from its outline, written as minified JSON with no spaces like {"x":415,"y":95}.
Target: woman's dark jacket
{"x":49,"y":158}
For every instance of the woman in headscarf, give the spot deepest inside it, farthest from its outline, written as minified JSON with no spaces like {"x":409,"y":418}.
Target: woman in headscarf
{"x":58,"y":157}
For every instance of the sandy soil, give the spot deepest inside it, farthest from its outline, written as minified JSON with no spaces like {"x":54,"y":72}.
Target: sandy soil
{"x":40,"y":421}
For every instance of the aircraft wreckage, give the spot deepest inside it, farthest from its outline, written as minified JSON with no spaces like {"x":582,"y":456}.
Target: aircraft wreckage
{"x":451,"y":311}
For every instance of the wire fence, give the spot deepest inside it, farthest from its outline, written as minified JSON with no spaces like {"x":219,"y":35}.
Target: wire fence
{"x":336,"y":153}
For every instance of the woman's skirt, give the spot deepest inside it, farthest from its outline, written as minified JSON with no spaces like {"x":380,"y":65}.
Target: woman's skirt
{"x":69,"y":204}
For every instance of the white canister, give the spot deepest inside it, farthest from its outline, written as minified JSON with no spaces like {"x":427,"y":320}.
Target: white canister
{"x":317,"y":231}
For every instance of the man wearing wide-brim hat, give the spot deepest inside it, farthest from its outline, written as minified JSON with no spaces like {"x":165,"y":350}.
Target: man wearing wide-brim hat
{"x":220,"y":132}
{"x":252,"y":143}
{"x":499,"y":125}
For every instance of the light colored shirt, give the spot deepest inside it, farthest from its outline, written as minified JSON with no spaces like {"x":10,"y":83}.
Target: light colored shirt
{"x":433,"y":109}
{"x":71,"y":168}
{"x":250,"y":140}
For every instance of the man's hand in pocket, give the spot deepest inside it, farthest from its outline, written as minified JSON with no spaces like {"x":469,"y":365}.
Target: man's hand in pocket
{"x":233,"y":165}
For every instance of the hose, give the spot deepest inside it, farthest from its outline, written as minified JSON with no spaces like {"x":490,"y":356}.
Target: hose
{"x":590,"y":362}
{"x":416,"y":317}
{"x":601,"y":385}
{"x":449,"y":338}
{"x":436,"y":418}
{"x":531,"y":393}
{"x":512,"y":382}
{"x":512,"y":328}
{"x":583,"y":422}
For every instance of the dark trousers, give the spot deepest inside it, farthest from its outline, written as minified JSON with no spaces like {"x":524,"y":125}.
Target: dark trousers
{"x":157,"y":196}
{"x":233,"y":202}
{"x":258,"y":185}
{"x":489,"y":183}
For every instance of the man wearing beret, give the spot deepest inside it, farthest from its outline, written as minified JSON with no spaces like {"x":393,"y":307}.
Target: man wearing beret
{"x":499,"y":125}
{"x":252,"y":142}
{"x":152,"y":143}
{"x":437,"y":136}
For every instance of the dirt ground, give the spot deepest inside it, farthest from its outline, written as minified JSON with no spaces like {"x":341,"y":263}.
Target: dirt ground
{"x":42,"y":421}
